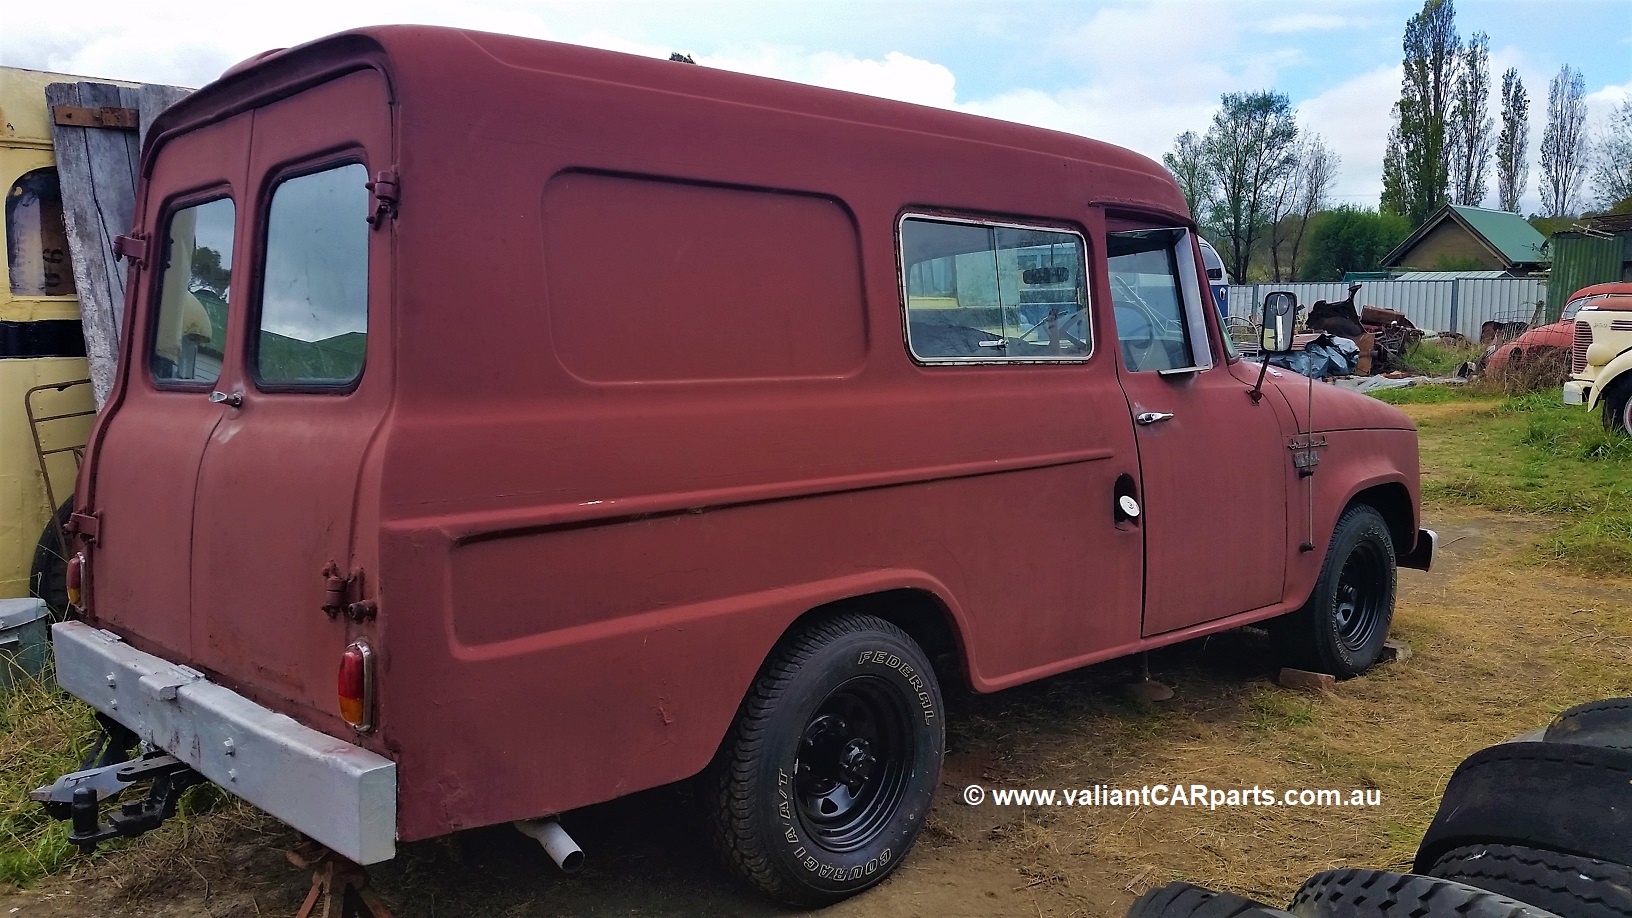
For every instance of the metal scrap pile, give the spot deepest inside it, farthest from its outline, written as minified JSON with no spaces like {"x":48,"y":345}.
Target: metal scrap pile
{"x":1382,"y":335}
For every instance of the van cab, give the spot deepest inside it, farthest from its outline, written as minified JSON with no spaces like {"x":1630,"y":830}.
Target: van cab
{"x":606,"y":422}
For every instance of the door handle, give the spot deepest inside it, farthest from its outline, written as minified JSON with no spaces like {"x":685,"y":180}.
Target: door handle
{"x":1153,"y":417}
{"x":234,"y":399}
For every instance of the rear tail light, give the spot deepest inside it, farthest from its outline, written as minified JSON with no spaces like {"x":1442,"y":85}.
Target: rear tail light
{"x":75,"y":577}
{"x":357,"y":686}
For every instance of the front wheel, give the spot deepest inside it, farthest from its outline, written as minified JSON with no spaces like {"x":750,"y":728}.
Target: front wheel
{"x":1618,"y":406}
{"x":826,"y":778}
{"x":1342,"y":627}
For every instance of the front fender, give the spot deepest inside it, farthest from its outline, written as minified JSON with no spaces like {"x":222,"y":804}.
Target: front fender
{"x":1616,"y":368}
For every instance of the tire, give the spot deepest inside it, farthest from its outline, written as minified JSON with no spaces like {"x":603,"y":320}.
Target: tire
{"x":1182,"y":900}
{"x":1597,"y":723}
{"x":1561,"y":797}
{"x":1618,"y":406}
{"x":1377,"y":893}
{"x":1342,"y":627}
{"x":826,"y":777}
{"x":1580,"y":887}
{"x":48,"y":578}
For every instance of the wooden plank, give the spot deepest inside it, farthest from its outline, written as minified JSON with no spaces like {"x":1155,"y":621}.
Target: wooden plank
{"x":98,"y":168}
{"x":149,"y":100}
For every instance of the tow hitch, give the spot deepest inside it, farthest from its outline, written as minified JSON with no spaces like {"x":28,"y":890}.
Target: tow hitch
{"x":78,"y":797}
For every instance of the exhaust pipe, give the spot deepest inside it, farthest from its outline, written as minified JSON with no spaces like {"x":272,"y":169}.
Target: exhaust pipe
{"x":557,"y":843}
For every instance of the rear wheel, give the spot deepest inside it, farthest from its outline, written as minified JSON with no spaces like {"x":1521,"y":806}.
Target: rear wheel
{"x":826,"y":778}
{"x":1341,"y":629}
{"x":48,"y":578}
{"x":1618,"y":406}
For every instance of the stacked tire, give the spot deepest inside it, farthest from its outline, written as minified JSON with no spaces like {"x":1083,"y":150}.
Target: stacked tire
{"x":1524,"y":830}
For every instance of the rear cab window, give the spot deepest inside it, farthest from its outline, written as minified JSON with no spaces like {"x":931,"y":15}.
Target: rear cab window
{"x":313,"y":326}
{"x":991,"y":292}
{"x":189,"y":333}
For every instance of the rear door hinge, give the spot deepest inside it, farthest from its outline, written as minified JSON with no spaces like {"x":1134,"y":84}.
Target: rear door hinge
{"x":384,"y":189}
{"x":343,"y":595}
{"x":85,"y":525}
{"x":132,"y":246}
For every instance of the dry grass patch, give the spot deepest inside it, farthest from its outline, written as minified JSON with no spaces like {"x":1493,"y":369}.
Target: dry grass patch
{"x":1499,"y":649}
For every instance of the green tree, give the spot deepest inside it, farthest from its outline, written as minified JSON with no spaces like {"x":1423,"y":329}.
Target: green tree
{"x":1350,"y":238}
{"x":1564,"y":143}
{"x":1612,"y":168}
{"x":1248,"y":151}
{"x":1469,"y":129}
{"x":209,"y":272}
{"x":1189,"y":169}
{"x":1513,"y":145}
{"x":1301,"y":194}
{"x":1416,"y":166}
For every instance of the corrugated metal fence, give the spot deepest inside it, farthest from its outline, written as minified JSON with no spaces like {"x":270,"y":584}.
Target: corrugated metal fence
{"x":1449,"y":305}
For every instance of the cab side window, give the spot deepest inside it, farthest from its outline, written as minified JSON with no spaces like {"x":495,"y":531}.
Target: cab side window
{"x":1155,"y":300}
{"x":189,"y":330}
{"x":993,"y":293}
{"x":314,"y":290}
{"x":36,"y":242}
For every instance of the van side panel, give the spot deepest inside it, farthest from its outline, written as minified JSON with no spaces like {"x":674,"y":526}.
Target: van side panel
{"x":590,"y":543}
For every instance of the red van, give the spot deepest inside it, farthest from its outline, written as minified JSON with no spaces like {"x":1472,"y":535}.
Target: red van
{"x":605,"y":422}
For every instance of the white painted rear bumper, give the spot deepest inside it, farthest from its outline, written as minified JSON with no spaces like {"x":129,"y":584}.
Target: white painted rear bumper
{"x":340,"y":794}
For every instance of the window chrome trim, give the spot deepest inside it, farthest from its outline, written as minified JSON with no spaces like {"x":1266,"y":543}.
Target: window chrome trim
{"x":1201,"y":358}
{"x":901,"y":277}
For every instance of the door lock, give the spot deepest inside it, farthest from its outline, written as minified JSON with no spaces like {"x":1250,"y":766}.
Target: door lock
{"x":234,"y":399}
{"x":1152,"y":417}
{"x":1129,"y":506}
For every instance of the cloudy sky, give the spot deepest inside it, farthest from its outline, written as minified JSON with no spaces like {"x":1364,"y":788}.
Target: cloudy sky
{"x":1133,"y":72}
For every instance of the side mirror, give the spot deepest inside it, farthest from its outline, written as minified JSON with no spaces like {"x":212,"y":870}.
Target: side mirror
{"x":1280,"y":318}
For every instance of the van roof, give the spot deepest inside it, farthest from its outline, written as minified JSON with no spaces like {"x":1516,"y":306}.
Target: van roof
{"x":441,"y":59}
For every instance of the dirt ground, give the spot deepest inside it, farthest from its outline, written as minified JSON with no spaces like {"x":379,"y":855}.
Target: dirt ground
{"x":1499,"y":647}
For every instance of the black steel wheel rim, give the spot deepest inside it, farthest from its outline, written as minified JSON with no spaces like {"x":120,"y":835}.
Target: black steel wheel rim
{"x":854,"y":759}
{"x":1358,"y":607}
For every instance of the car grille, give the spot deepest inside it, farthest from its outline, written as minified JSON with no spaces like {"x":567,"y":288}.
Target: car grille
{"x":1583,"y":340}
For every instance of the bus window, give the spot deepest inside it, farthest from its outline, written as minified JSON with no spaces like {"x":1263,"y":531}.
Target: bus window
{"x":36,"y":240}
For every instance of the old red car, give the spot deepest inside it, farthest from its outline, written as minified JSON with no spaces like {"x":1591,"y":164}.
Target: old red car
{"x":607,"y":421}
{"x":1558,"y":335}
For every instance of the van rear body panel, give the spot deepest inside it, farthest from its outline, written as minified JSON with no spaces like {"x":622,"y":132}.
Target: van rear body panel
{"x":636,"y":397}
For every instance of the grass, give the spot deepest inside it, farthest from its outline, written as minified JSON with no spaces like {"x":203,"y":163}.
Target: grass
{"x":1433,"y":357}
{"x":42,"y":732}
{"x":1532,"y":454}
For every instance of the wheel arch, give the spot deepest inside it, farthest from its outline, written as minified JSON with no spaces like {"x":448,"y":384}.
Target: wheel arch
{"x":926,"y":617}
{"x":1393,"y":501}
{"x":1617,"y":372}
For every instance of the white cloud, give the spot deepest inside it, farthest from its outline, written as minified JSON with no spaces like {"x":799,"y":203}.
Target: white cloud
{"x":1354,"y":117}
{"x":1304,"y":22}
{"x":895,"y":76}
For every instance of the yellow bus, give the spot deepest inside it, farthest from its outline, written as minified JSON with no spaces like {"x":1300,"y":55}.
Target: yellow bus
{"x":46,"y":402}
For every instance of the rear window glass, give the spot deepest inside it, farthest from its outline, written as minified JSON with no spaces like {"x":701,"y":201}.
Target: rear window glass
{"x":36,"y":244}
{"x":314,"y":295}
{"x":190,"y":330}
